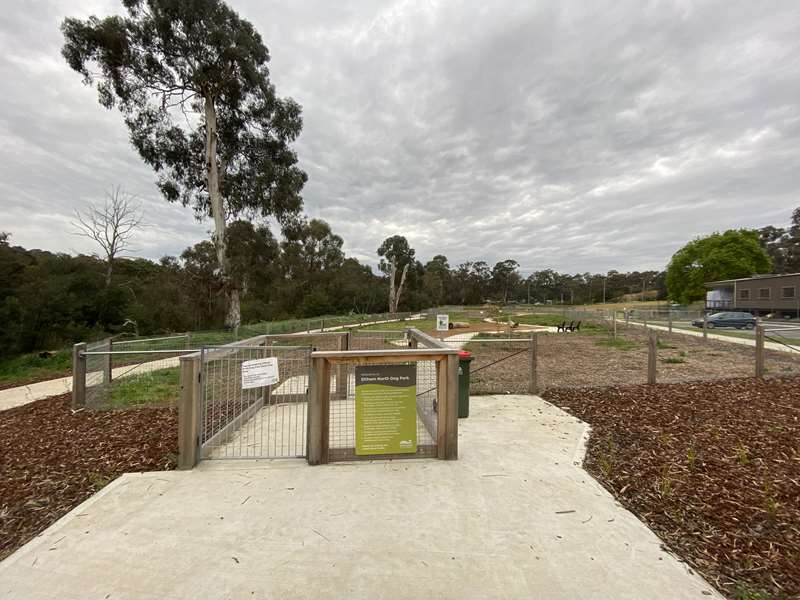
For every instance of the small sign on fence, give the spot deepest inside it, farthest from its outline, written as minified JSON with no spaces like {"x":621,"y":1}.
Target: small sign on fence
{"x":386,"y":409}
{"x":442,"y":322}
{"x":260,"y":372}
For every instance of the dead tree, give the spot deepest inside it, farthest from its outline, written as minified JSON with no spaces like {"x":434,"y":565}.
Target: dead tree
{"x":395,"y":292}
{"x":111,"y":225}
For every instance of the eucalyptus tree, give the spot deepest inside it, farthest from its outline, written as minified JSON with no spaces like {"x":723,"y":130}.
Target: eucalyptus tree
{"x":396,"y":258}
{"x":192,"y":82}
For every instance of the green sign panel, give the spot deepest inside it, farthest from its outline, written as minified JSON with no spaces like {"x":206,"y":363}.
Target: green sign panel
{"x":386,"y":409}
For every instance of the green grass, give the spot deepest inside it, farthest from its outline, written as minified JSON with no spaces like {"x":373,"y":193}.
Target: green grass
{"x":30,"y":367}
{"x":161,"y":387}
{"x":743,"y":592}
{"x":619,"y":343}
{"x":673,"y":360}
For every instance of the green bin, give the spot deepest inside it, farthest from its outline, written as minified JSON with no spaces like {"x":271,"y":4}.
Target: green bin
{"x":464,"y":358}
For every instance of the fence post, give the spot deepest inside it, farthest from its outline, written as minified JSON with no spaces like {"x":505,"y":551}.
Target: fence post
{"x":759,"y":350}
{"x":669,"y":318}
{"x":322,"y":325}
{"x":533,"y":382}
{"x":318,"y":411}
{"x":108,"y":362}
{"x":188,"y":340}
{"x":705,"y":326}
{"x":451,"y":416}
{"x":78,"y":376}
{"x":341,"y":370}
{"x":614,"y":322}
{"x":188,"y":413}
{"x":627,"y":318}
{"x":644,"y":320}
{"x":652,"y":351}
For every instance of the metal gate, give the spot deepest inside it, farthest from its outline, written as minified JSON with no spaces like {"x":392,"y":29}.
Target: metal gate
{"x":261,"y":422}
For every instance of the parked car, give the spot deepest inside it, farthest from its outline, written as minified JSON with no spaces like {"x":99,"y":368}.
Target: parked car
{"x":740,"y":320}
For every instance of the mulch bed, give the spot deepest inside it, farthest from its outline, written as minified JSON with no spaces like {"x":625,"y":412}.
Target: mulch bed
{"x":571,"y":360}
{"x":713,"y":468}
{"x":52,"y":459}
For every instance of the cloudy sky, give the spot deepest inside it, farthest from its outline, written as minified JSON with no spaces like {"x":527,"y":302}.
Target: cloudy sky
{"x":571,"y":135}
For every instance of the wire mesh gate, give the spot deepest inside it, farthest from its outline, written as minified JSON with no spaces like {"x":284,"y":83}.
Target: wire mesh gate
{"x":261,"y":422}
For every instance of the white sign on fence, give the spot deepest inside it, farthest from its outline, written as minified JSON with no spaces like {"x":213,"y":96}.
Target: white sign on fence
{"x":442,"y":322}
{"x":259,"y":372}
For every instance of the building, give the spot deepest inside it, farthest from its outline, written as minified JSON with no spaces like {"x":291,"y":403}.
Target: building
{"x":778,"y":295}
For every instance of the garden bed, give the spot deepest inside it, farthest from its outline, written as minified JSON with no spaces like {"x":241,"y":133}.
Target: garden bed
{"x":52,"y":459}
{"x":713,"y":468}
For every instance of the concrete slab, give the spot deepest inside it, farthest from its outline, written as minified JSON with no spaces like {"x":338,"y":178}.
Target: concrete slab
{"x":515,"y":517}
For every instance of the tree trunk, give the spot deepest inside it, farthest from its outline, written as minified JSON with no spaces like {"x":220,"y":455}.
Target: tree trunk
{"x":232,"y":311}
{"x":392,"y":273}
{"x":109,"y":271}
{"x":400,"y":289}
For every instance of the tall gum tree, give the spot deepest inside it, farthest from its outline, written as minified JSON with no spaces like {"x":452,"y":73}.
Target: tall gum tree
{"x":192,"y":82}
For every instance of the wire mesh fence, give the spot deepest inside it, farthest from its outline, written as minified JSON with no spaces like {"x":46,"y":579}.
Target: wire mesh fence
{"x":269,"y":421}
{"x":601,"y":356}
{"x":378,"y":340}
{"x":140,"y":377}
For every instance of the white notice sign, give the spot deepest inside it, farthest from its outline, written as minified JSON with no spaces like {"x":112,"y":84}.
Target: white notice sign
{"x":442,"y":322}
{"x":259,"y":372}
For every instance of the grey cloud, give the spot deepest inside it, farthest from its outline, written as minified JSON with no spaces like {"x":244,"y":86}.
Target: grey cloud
{"x":578,"y":136}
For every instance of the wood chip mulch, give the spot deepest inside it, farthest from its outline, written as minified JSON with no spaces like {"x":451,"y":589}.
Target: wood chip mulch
{"x":52,"y":459}
{"x":713,"y":468}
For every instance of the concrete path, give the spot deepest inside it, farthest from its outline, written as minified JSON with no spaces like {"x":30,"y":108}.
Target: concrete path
{"x":515,"y":517}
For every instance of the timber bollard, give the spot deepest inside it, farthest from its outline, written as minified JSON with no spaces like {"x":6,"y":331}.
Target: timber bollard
{"x":652,"y":351}
{"x":78,"y":376}
{"x":533,"y":380}
{"x":760,"y":350}
{"x":108,"y":362}
{"x":705,"y":326}
{"x":188,"y":413}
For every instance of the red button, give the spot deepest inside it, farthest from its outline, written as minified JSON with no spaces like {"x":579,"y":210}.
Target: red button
{"x":464,"y":354}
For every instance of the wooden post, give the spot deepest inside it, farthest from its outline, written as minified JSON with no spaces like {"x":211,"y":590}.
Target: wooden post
{"x":108,"y":362}
{"x":188,"y":340}
{"x":705,"y":326}
{"x":322,"y":325}
{"x":652,"y":351}
{"x":188,"y":413}
{"x":759,"y":350}
{"x":644,"y":320}
{"x":533,"y":382}
{"x":441,"y":408}
{"x":614,"y":322}
{"x":341,"y":370}
{"x":78,"y":376}
{"x":451,"y":451}
{"x":669,"y":318}
{"x":627,"y":317}
{"x":318,"y":412}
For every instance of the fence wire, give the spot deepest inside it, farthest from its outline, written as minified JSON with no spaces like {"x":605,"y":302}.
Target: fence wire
{"x":118,"y":379}
{"x":262,"y":422}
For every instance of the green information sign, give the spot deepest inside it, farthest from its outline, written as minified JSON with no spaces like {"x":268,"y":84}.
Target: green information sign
{"x":386,"y":409}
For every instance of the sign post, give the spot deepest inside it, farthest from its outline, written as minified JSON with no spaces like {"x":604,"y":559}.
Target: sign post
{"x":386,"y":409}
{"x":442,"y":323}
